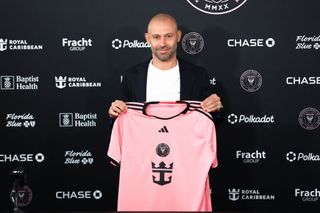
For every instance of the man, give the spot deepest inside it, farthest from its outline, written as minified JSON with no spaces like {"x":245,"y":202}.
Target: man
{"x":165,"y":77}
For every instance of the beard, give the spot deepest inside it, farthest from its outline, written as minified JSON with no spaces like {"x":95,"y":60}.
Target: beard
{"x":165,"y":57}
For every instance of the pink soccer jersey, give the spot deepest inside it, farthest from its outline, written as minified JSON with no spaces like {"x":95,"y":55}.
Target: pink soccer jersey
{"x":165,"y":151}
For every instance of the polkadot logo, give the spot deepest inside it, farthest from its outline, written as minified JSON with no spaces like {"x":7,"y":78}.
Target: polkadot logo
{"x":116,"y":43}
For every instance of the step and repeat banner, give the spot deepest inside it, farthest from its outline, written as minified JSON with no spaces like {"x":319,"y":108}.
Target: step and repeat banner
{"x":61,"y":66}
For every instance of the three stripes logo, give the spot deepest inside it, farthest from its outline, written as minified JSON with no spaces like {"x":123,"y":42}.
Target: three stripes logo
{"x":164,"y":129}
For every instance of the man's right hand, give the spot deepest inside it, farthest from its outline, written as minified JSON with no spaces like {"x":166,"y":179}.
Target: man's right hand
{"x":116,"y":108}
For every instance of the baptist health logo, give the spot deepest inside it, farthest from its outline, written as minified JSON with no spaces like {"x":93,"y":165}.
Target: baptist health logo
{"x":304,"y":42}
{"x":77,"y":120}
{"x":310,"y":157}
{"x":248,"y":119}
{"x":10,"y":82}
{"x":78,"y":157}
{"x":248,"y":194}
{"x":135,"y":44}
{"x":75,"y":82}
{"x":8,"y":44}
{"x":216,"y":7}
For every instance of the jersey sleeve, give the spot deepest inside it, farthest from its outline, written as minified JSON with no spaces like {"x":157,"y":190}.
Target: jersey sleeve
{"x":115,"y":145}
{"x":212,"y":139}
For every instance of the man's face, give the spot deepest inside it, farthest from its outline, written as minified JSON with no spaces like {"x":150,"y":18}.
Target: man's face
{"x":163,"y":37}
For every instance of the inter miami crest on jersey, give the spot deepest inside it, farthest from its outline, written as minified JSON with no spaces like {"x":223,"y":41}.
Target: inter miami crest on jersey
{"x":162,"y":150}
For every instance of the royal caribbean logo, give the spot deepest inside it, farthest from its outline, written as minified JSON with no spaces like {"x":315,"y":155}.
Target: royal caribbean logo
{"x":75,"y":82}
{"x":16,"y":45}
{"x":68,"y":119}
{"x":310,"y":157}
{"x":78,"y":157}
{"x":309,"y":118}
{"x":122,"y":44}
{"x":248,"y":194}
{"x":160,"y":172}
{"x":23,"y":157}
{"x":79,"y":195}
{"x":251,"y":81}
{"x":77,"y":45}
{"x":10,"y":82}
{"x":20,"y":120}
{"x":192,"y":43}
{"x":216,"y":7}
{"x":307,"y":195}
{"x":304,"y":42}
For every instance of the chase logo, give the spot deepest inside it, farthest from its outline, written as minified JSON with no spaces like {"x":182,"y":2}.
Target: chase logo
{"x":216,"y":7}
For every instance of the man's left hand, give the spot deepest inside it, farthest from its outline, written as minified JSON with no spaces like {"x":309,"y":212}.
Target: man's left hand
{"x":212,"y":103}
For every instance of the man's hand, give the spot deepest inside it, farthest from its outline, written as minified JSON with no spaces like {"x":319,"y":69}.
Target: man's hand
{"x":212,"y":103}
{"x":116,"y":108}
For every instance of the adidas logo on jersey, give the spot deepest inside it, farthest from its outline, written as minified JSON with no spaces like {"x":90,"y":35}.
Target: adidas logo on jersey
{"x":164,"y":129}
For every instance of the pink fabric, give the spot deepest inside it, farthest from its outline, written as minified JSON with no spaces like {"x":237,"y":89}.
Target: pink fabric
{"x":191,"y":139}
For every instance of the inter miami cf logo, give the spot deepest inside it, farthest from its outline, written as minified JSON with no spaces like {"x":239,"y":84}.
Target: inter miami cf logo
{"x":162,"y":169}
{"x":251,"y":80}
{"x":216,"y":7}
{"x":163,"y":150}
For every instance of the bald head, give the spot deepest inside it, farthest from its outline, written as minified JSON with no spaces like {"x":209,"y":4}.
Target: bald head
{"x":162,"y":18}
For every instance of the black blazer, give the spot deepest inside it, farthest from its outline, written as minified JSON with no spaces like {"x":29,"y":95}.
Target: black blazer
{"x":194,"y":82}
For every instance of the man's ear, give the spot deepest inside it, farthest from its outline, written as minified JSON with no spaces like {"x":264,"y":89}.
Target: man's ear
{"x":179,"y":35}
{"x":146,"y":36}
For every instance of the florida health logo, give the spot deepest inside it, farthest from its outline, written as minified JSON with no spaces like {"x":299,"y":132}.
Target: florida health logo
{"x":248,"y":194}
{"x":77,"y":119}
{"x":309,"y":118}
{"x":192,"y":43}
{"x":135,"y":44}
{"x":251,"y":80}
{"x":216,"y":7}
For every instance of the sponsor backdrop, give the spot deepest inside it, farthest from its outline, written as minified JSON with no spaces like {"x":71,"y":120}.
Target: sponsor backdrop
{"x":61,"y":67}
